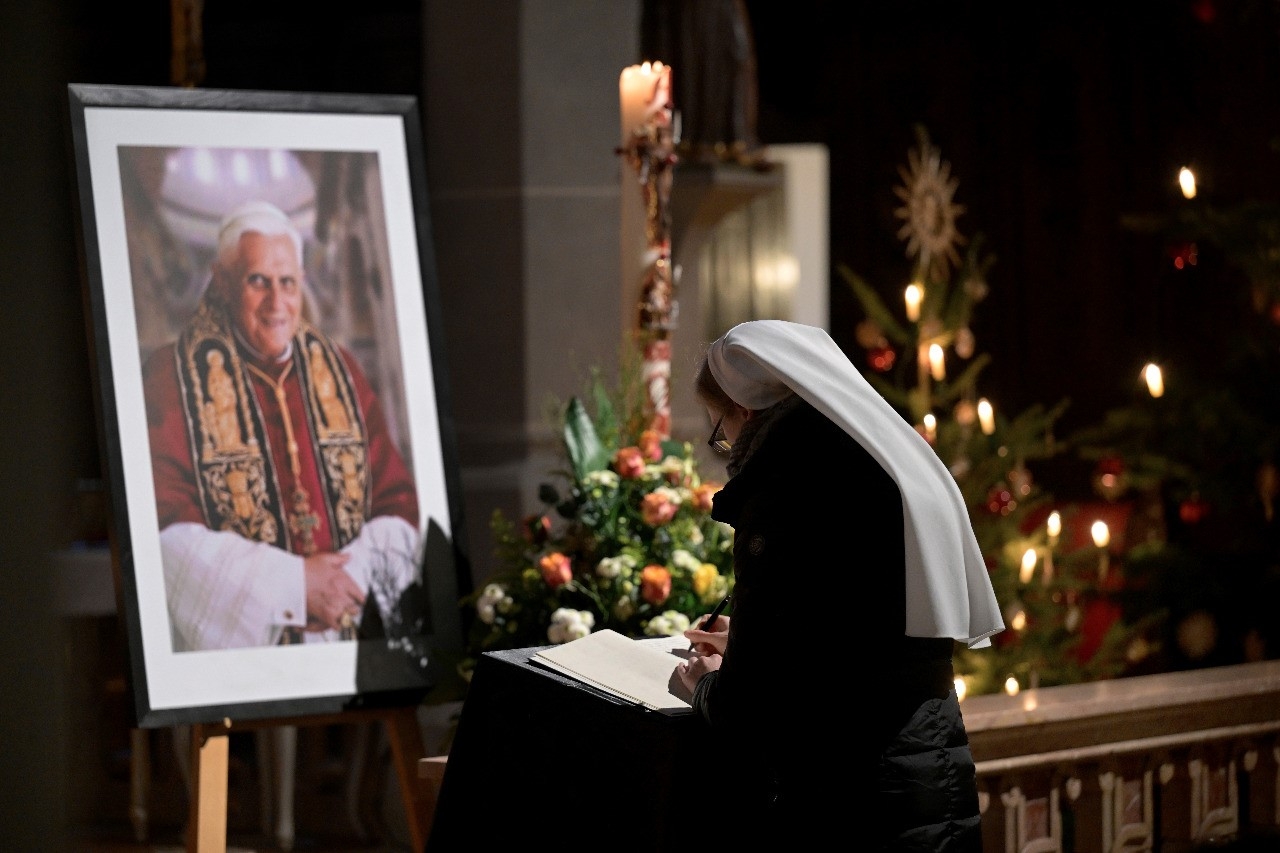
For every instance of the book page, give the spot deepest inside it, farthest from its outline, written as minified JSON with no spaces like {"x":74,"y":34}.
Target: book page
{"x":636,"y":670}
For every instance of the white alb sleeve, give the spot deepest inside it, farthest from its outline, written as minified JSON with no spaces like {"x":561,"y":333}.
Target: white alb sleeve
{"x":225,"y":591}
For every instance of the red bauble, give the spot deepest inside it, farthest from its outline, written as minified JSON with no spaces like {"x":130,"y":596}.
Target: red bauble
{"x":881,"y":358}
{"x":1001,"y":501}
{"x":1193,"y":509}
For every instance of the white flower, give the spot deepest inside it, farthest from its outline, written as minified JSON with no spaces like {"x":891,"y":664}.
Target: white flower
{"x":493,"y":598}
{"x":569,"y":624}
{"x":604,"y":478}
{"x":611,"y":567}
{"x":667,"y":624}
{"x":682,"y":559}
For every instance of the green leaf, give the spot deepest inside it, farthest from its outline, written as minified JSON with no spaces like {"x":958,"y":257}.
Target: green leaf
{"x":581,"y":442}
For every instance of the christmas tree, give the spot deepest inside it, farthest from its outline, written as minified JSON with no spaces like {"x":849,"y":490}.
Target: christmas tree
{"x":1056,"y":595}
{"x":1200,"y":454}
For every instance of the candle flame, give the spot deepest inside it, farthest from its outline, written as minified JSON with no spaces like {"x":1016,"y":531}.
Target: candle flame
{"x":1187,"y":181}
{"x":913,"y":296}
{"x":986,"y":416}
{"x":1101,"y":534}
{"x":1028,"y":565}
{"x":1155,"y":379}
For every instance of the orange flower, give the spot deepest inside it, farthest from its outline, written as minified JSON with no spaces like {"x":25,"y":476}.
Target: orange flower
{"x":659,"y":506}
{"x":651,"y":445}
{"x":629,"y":463}
{"x":655,"y":584}
{"x":556,"y":569}
{"x":703,"y":494}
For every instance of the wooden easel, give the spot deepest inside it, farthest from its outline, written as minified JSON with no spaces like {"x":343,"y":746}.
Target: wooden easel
{"x":210,"y":750}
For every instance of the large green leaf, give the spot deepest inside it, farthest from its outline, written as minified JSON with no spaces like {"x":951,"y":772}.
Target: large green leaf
{"x":581,"y":442}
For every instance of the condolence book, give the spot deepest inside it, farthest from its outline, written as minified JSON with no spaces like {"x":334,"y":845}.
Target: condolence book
{"x":638,"y":671}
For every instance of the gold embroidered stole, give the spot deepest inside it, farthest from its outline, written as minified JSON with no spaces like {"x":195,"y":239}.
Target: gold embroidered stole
{"x":236,"y":476}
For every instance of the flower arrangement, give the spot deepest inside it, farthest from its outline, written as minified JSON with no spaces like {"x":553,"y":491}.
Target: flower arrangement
{"x":629,"y":543}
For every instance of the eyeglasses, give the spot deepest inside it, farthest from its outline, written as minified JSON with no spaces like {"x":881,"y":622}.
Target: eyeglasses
{"x":717,"y":441}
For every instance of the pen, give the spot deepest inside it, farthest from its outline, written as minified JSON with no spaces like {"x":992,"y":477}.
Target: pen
{"x":711,"y":617}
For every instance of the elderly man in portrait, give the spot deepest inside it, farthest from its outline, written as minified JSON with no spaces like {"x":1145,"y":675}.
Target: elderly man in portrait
{"x":286,"y":512}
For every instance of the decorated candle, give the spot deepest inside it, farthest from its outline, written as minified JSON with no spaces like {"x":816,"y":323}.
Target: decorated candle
{"x":645,"y":93}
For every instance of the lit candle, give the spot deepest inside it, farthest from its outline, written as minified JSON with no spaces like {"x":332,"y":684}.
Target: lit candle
{"x":1101,"y":538}
{"x":645,"y":90}
{"x":1187,"y":181}
{"x":1155,"y":379}
{"x":1028,"y":565}
{"x":930,"y":427}
{"x":1054,"y":527}
{"x":913,"y":296}
{"x":986,"y":416}
{"x":937,"y":367}
{"x":1011,"y":686}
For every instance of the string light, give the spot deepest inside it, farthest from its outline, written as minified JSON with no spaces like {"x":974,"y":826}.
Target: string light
{"x":930,"y":427}
{"x":1102,"y":537}
{"x":1011,"y":686}
{"x":1054,"y":527}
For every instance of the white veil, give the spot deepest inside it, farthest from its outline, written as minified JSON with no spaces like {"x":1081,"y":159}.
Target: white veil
{"x":949,"y":593}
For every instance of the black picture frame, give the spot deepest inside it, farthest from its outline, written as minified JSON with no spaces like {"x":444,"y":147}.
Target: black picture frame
{"x":155,"y":169}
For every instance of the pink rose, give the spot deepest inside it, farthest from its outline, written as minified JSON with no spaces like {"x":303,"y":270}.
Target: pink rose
{"x":629,"y":463}
{"x":556,"y":569}
{"x":657,"y":508}
{"x":651,"y":445}
{"x":655,"y":584}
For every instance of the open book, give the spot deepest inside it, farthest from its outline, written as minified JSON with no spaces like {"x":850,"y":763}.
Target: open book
{"x":638,"y":671}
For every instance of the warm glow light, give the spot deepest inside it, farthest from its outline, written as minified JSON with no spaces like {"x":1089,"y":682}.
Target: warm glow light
{"x":986,"y":416}
{"x":937,"y":365}
{"x":1187,"y":181}
{"x":961,"y":687}
{"x":930,"y":427}
{"x":1101,"y":534}
{"x":1019,"y":620}
{"x":1028,"y":565}
{"x":1155,"y":380}
{"x":913,"y":296}
{"x":1011,"y":686}
{"x":1029,"y":703}
{"x":1054,"y":527}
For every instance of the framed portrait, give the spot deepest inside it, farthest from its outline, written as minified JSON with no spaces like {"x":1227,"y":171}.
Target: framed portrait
{"x":285,"y":499}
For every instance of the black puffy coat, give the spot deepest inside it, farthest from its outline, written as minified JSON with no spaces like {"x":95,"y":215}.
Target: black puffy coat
{"x":835,"y":727}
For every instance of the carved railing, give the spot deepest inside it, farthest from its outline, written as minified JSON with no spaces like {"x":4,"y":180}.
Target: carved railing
{"x":1162,"y":763}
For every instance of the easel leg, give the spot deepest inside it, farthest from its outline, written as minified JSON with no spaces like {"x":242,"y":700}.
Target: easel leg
{"x":139,"y":781}
{"x":207,"y":828}
{"x":406,"y":749}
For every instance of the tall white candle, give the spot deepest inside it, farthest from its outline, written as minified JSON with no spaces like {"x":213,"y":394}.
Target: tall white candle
{"x":644,"y":90}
